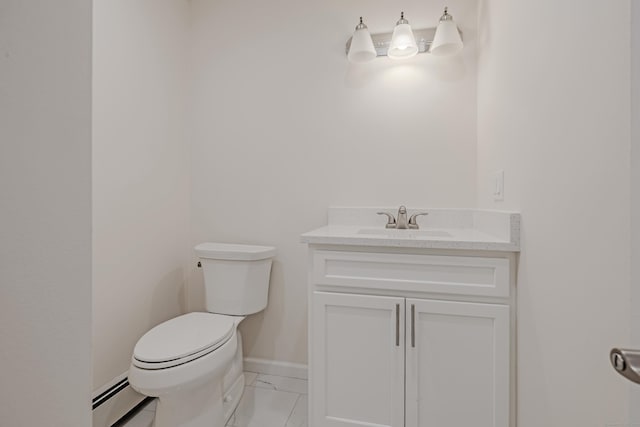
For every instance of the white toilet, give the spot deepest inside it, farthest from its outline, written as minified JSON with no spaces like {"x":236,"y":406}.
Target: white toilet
{"x":193,"y":363}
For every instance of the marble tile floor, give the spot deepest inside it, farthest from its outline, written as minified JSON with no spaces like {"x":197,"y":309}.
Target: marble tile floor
{"x":267,"y":401}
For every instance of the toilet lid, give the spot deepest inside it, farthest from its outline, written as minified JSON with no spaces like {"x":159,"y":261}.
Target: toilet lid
{"x":192,"y":334}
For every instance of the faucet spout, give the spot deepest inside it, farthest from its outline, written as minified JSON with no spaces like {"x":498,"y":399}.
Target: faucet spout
{"x":402,"y":218}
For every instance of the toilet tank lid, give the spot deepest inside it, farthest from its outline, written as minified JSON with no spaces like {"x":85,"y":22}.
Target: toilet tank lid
{"x":236,"y":252}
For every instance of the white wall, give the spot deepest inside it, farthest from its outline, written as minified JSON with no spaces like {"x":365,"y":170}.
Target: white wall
{"x":634,"y":404}
{"x":140,"y":175}
{"x":45,"y":206}
{"x":553,"y":112}
{"x":283,"y":127}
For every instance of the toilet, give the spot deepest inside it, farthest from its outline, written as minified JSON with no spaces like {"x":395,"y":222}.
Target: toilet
{"x":193,"y":363}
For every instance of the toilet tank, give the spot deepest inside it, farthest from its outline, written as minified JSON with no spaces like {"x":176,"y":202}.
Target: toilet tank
{"x":236,"y":277}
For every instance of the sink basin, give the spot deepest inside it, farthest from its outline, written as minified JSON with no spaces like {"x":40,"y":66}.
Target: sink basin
{"x":409,"y":234}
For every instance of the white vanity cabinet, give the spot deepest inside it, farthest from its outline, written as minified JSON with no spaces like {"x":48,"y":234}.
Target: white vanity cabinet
{"x":457,"y":364}
{"x":359,"y":360}
{"x":410,"y":337}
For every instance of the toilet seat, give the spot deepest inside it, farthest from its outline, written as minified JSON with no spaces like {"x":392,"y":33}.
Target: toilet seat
{"x":182,"y":339}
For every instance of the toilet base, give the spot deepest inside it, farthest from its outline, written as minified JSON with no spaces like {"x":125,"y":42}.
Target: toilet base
{"x":209,"y":404}
{"x":232,"y":397}
{"x":202,"y":407}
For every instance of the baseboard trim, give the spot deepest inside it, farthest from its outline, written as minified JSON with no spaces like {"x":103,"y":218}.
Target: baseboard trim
{"x":111,"y":384}
{"x":114,"y":400}
{"x":109,"y":393}
{"x":275,"y":367}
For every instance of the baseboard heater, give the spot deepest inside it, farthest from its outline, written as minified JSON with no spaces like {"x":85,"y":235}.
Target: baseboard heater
{"x":109,"y":393}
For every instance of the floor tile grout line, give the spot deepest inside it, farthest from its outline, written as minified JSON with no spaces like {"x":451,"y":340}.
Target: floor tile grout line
{"x":232,"y":419}
{"x":292,"y":409}
{"x":274,"y":386}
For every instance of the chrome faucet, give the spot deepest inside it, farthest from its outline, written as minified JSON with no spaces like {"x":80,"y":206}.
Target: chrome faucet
{"x":402,"y":218}
{"x":402,"y":223}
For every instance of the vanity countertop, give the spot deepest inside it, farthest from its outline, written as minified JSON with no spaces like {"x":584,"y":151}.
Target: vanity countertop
{"x":464,"y":229}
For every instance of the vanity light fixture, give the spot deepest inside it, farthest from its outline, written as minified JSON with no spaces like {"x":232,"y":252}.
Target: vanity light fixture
{"x":362,"y":49}
{"x":447,"y":40}
{"x":404,"y":42}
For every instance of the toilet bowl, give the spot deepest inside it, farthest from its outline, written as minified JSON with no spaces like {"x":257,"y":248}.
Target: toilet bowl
{"x":193,"y":363}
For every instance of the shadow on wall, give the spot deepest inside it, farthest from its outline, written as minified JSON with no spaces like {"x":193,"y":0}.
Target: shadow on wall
{"x":169,"y":297}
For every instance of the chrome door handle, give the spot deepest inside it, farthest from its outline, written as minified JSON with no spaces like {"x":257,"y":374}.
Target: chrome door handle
{"x":627,"y":363}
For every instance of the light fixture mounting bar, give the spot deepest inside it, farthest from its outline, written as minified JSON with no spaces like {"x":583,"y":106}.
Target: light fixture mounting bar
{"x":381,"y":41}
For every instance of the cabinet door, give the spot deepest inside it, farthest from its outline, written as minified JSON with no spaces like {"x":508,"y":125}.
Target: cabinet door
{"x":357,"y":347}
{"x":457,"y":364}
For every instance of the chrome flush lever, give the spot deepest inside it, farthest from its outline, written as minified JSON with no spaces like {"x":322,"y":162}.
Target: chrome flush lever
{"x":627,"y":363}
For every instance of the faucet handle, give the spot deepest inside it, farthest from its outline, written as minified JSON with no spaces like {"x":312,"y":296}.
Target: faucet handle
{"x":413,"y":223}
{"x":391,"y":221}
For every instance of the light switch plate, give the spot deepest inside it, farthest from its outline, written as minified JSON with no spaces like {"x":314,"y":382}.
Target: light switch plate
{"x":498,"y":185}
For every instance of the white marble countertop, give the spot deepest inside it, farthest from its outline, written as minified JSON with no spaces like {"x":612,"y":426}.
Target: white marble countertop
{"x":464,"y":229}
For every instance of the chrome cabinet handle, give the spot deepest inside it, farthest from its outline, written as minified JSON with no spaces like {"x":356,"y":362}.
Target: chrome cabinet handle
{"x":413,"y":325}
{"x":627,"y":363}
{"x":397,"y":325}
{"x":391,"y":220}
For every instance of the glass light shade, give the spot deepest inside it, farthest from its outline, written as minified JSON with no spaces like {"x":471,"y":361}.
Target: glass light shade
{"x":361,"y":49}
{"x":403,"y":43}
{"x":447,"y":40}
